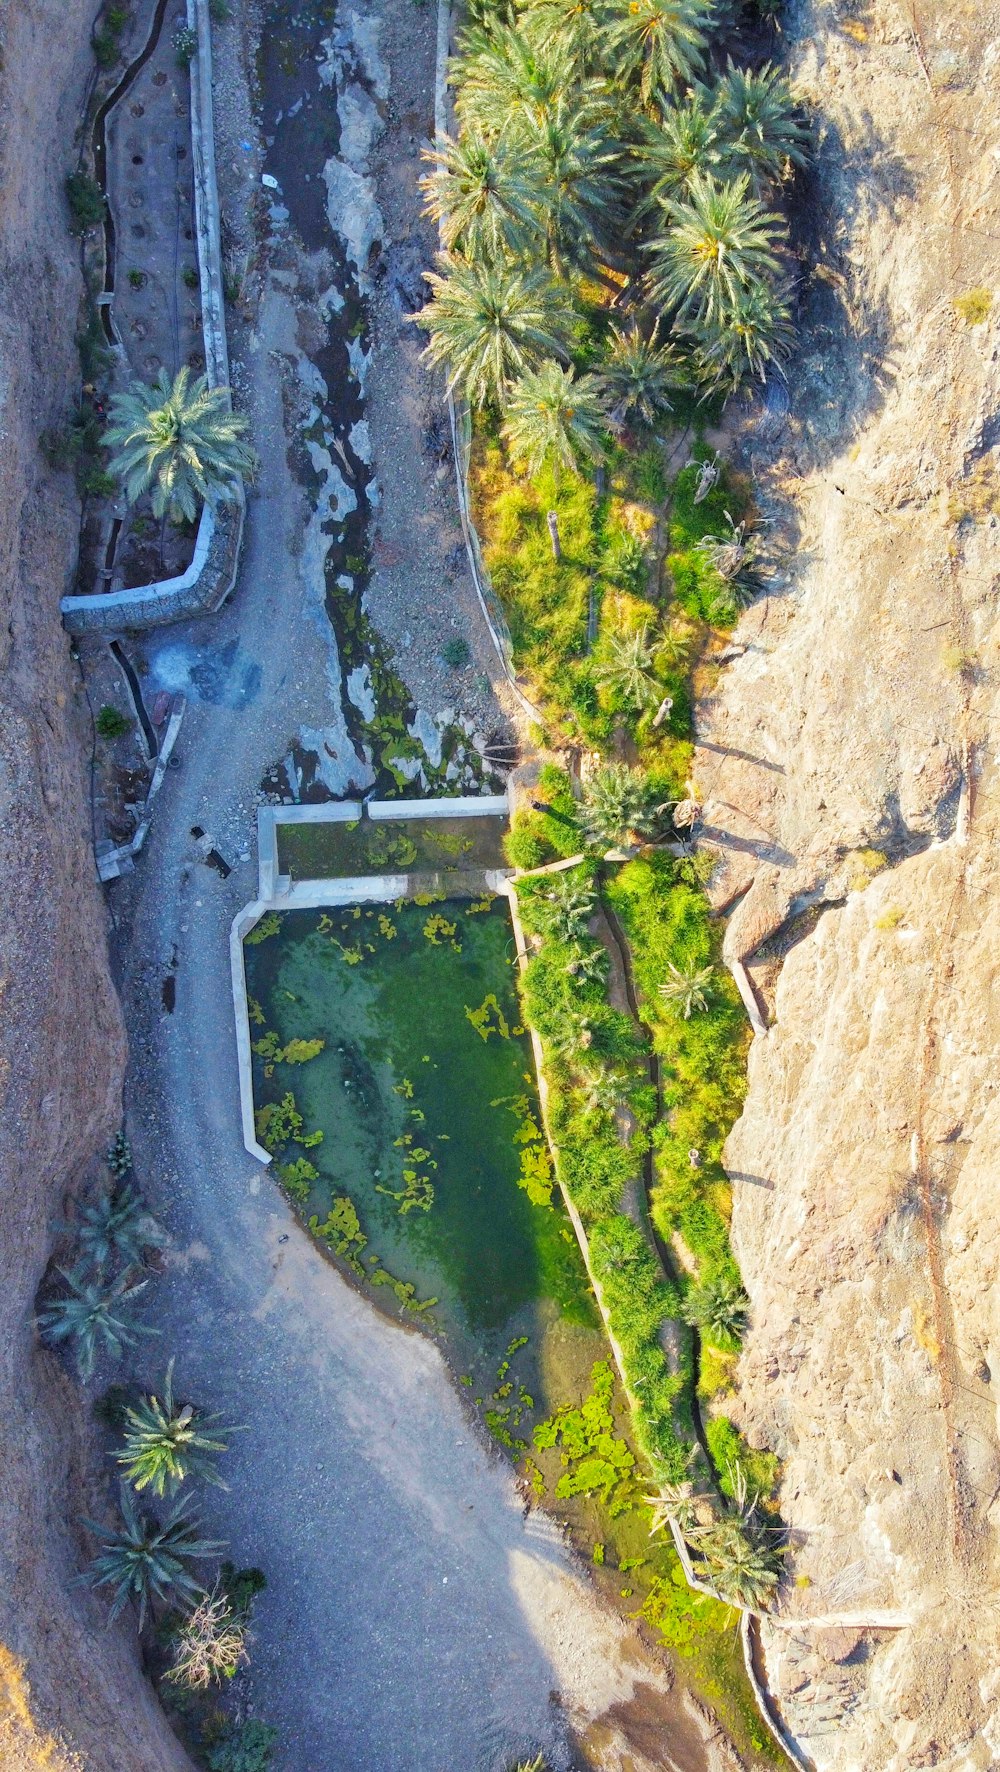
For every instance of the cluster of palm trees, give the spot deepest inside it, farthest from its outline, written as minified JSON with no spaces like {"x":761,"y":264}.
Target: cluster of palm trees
{"x":164,"y":1442}
{"x":114,"y":1234}
{"x":602,"y":147}
{"x":735,"y":1551}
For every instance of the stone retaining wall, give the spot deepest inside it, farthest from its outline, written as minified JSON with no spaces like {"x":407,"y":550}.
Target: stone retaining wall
{"x":211,"y":575}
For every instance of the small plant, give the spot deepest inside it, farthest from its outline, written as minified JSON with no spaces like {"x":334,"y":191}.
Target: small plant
{"x":189,"y":277}
{"x":246,"y":1747}
{"x":111,"y":723}
{"x":117,"y":1226}
{"x":165,"y":1443}
{"x":219,"y":11}
{"x":210,"y":1645}
{"x":185,"y":45}
{"x":147,"y":1561}
{"x":86,"y":202}
{"x":718,"y":1305}
{"x":106,"y":45}
{"x":137,"y":279}
{"x":890,"y":918}
{"x":93,"y":1314}
{"x":685,"y":989}
{"x":606,"y":1092}
{"x":975,"y":307}
{"x":862,"y":866}
{"x":96,"y":480}
{"x":118,"y":1156}
{"x":571,"y":903}
{"x":456,"y":654}
{"x":629,"y":669}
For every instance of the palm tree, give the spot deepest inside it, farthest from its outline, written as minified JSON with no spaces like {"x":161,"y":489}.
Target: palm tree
{"x":719,"y":1305}
{"x":629,"y":668}
{"x":210,"y":1645}
{"x":145,"y":1560}
{"x":572,"y":1035}
{"x":685,"y":989}
{"x":759,"y":124}
{"x":742,"y":1567}
{"x":718,"y":243}
{"x":570,"y":904}
{"x":506,"y":73}
{"x":590,"y":964}
{"x":663,"y":41}
{"x":480,"y":198}
{"x":181,"y":442}
{"x":165,"y":1443}
{"x":756,"y":331}
{"x":682,"y":141}
{"x":552,"y":416}
{"x":93,"y":1316}
{"x":677,"y":1504}
{"x":617,"y":805}
{"x":605,"y":1092}
{"x":637,"y":379}
{"x":573,"y":168}
{"x":117,"y":1226}
{"x":489,"y":324}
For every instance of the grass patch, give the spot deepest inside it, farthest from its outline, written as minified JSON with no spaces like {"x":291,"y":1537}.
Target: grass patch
{"x":974,"y":307}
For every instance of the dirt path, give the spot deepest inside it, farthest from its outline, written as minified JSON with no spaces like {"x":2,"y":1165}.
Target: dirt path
{"x":414,"y":1617}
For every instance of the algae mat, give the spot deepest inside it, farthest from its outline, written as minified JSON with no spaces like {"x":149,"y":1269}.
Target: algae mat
{"x":425,"y":1095}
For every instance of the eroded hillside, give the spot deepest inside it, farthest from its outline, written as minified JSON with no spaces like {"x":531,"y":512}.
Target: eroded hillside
{"x":847,"y":768}
{"x":61,"y":1046}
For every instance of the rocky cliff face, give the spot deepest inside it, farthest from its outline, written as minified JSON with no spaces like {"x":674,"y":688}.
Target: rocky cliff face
{"x":70,"y":1692}
{"x":848,"y":769}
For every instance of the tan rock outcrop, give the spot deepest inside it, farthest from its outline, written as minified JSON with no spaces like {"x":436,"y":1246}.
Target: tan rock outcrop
{"x":71,"y":1694}
{"x":849,"y":778}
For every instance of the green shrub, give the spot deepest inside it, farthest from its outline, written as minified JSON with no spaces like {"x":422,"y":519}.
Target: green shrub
{"x":185,"y":45}
{"x":456,"y":653}
{"x":86,"y":202}
{"x":526,"y":844}
{"x":96,"y":480}
{"x":111,"y":723}
{"x":732,"y":1455}
{"x":246,"y":1747}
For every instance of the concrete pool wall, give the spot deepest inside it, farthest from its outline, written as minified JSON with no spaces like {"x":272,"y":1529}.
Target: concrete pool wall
{"x":278,"y":892}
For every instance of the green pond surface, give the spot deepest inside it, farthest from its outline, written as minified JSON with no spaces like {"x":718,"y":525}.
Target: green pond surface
{"x":390,"y":845}
{"x":430,"y":1122}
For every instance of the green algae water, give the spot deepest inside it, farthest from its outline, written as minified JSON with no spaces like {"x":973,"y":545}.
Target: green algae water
{"x":425,"y":1095}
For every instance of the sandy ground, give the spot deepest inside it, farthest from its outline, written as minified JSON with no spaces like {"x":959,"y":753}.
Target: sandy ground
{"x":414,"y":1616}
